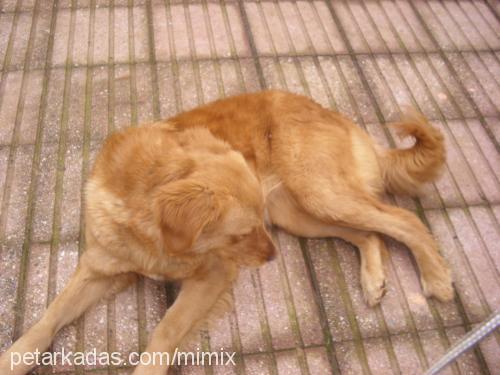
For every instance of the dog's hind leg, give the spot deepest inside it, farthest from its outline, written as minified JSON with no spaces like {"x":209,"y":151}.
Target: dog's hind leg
{"x":352,"y":208}
{"x":84,"y":289}
{"x":285,"y":213}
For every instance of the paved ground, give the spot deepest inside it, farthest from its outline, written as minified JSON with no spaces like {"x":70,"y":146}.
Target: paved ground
{"x":72,"y":71}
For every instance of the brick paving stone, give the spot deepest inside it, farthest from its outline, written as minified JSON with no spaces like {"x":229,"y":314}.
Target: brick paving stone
{"x":349,"y":28}
{"x":434,"y":349}
{"x":355,"y":86}
{"x":41,"y":39}
{"x":249,"y":326}
{"x":144,"y":94}
{"x":315,"y":81}
{"x":72,"y":192}
{"x":366,"y":317}
{"x":21,"y":39}
{"x":179,"y":31}
{"x":465,"y":281}
{"x":467,"y":28}
{"x":233,"y":81}
{"x":81,"y":36}
{"x":366,"y":24}
{"x":28,"y":124}
{"x":488,"y":228}
{"x":61,"y":38}
{"x":332,"y":30}
{"x":121,"y":38}
{"x":125,"y":325}
{"x":201,"y":39}
{"x":211,"y":82}
{"x":287,"y":363}
{"x":281,"y":43}
{"x":443,"y":28}
{"x":44,"y":206}
{"x":482,"y":171}
{"x":101,"y":35}
{"x":317,"y":361}
{"x":9,"y":105}
{"x":301,"y":289}
{"x":340,"y":94}
{"x":258,"y":364}
{"x":122,"y":109}
{"x":191,"y":92}
{"x":378,"y":359}
{"x":348,"y":359}
{"x":10,"y":259}
{"x":67,"y":259}
{"x":485,"y":73}
{"x":411,"y":17}
{"x":489,"y":348}
{"x":100,"y":98}
{"x":469,"y":79}
{"x":477,"y":256}
{"x":18,"y":203}
{"x":410,"y":283}
{"x":295,"y":28}
{"x":141,"y":42}
{"x":167,"y":93}
{"x":161,"y":33}
{"x":338,"y":320}
{"x":6,"y":22}
{"x":379,"y":87}
{"x":278,"y":316}
{"x":460,"y":170}
{"x":406,"y":355}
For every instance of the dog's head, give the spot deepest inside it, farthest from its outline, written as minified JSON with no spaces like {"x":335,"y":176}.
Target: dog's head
{"x":216,"y":206}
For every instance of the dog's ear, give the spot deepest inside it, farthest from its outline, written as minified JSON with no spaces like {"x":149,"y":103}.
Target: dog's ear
{"x":184,"y":208}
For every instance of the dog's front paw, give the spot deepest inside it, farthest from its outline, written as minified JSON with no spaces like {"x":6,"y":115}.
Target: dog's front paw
{"x":438,"y":284}
{"x":373,"y":285}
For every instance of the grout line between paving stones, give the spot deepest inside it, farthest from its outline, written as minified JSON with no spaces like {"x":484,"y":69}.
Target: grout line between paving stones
{"x":111,"y":303}
{"x":182,"y":60}
{"x":154,"y":63}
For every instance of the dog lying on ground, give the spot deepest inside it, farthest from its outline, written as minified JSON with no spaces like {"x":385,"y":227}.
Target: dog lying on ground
{"x":174,"y":200}
{"x":169,"y":204}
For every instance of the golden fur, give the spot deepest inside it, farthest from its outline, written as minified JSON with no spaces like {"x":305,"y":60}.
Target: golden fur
{"x":174,"y":200}
{"x":168,"y":204}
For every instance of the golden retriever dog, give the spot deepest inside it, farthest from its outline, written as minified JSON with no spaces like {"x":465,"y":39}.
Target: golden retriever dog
{"x":165,"y":203}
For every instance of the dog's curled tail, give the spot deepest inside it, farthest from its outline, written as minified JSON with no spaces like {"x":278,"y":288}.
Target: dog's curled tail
{"x":406,"y":170}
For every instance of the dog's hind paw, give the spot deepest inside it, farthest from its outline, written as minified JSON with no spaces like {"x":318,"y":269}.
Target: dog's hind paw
{"x":373,"y":288}
{"x":440,"y":286}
